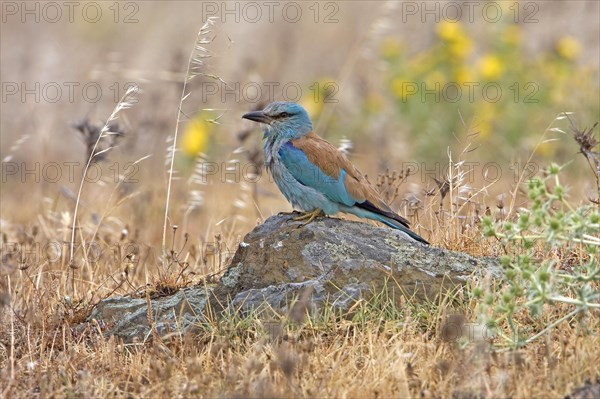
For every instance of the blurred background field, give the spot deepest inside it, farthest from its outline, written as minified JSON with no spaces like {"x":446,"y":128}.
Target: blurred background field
{"x":399,"y":86}
{"x":402,"y":87}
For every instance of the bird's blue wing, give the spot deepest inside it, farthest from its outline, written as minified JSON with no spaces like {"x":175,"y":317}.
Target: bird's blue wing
{"x":311,"y":175}
{"x":339,"y":181}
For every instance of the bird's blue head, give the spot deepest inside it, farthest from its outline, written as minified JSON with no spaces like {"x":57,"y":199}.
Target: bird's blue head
{"x":283,"y":120}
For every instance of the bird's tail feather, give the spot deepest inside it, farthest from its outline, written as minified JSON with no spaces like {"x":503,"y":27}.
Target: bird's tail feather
{"x":399,"y":226}
{"x":368,"y":210}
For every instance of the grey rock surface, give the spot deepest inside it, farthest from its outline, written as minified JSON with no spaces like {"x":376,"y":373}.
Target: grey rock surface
{"x":128,"y":318}
{"x":329,"y":260}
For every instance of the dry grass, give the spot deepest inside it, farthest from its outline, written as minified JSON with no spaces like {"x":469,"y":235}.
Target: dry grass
{"x":380,"y":349}
{"x":377,"y":351}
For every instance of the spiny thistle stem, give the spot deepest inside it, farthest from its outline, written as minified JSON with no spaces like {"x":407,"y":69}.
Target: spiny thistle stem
{"x":560,"y":116}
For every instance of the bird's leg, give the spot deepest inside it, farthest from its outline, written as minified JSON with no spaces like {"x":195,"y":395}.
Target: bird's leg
{"x":310,"y":216}
{"x":289,"y":213}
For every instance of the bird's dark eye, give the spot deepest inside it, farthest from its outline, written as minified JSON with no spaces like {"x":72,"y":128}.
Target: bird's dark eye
{"x":284,"y":115}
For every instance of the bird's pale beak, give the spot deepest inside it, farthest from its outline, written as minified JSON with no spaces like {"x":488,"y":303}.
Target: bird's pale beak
{"x":258,"y":116}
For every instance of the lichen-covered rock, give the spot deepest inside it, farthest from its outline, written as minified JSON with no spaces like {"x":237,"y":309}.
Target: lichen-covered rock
{"x":128,"y":318}
{"x":339,"y":259}
{"x":329,"y":260}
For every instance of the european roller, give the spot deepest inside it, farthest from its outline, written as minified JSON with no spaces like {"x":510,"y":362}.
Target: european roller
{"x":313,"y":175}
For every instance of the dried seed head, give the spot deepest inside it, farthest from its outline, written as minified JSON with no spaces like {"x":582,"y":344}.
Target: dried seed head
{"x":585,"y":138}
{"x":500,"y":201}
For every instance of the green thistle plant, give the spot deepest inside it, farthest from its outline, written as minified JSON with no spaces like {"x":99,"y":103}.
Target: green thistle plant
{"x":551,"y":260}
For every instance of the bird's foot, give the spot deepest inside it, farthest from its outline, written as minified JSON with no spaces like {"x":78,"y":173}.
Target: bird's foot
{"x":310,"y":216}
{"x":289,"y":213}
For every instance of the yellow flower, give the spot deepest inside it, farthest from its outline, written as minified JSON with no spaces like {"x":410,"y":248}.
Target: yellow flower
{"x":449,"y":31}
{"x":464,"y":74}
{"x":403,"y":88}
{"x":318,"y":94}
{"x":391,"y":47}
{"x":311,"y":106}
{"x":485,"y":120}
{"x":459,"y":43}
{"x":546,"y":149}
{"x":568,"y":48}
{"x":398,"y":87}
{"x":461,"y":47}
{"x":513,"y":35}
{"x":196,"y":136}
{"x":491,"y":67}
